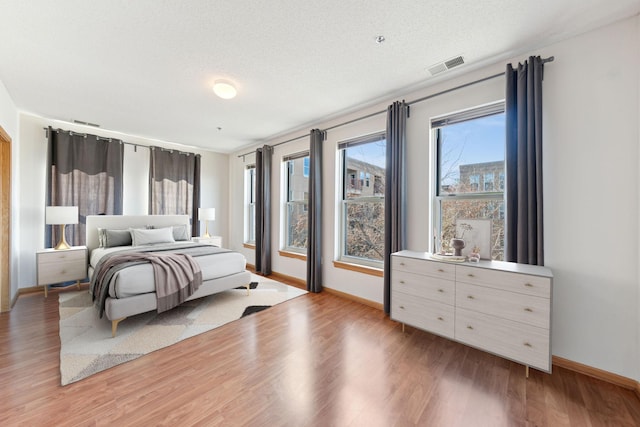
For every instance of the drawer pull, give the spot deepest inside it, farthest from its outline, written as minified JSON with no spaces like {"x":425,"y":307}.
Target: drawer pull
{"x":526,"y":344}
{"x":63,"y":271}
{"x":402,"y":282}
{"x":528,"y":285}
{"x":470,"y":327}
{"x":440,"y":270}
{"x":402,"y":263}
{"x":528,"y":310}
{"x":470,"y":297}
{"x":440,"y":318}
{"x":470,"y":275}
{"x":402,"y":307}
{"x":440,"y":290}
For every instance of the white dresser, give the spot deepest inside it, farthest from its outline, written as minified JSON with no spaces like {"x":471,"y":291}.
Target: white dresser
{"x":500,"y":307}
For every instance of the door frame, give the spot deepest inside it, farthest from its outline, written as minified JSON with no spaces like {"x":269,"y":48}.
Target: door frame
{"x":5,"y":221}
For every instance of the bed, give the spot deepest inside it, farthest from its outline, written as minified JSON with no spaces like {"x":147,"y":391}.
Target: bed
{"x":131,"y":290}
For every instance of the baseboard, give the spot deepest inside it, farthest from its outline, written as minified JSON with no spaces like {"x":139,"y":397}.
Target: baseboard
{"x":360,"y":300}
{"x":294,"y":281}
{"x":599,"y":374}
{"x":30,"y":290}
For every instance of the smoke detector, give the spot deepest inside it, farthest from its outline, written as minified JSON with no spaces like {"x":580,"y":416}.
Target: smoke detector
{"x":441,"y":67}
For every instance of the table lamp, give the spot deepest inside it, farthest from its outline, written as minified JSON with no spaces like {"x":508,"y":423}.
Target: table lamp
{"x":61,"y":215}
{"x":206,"y":215}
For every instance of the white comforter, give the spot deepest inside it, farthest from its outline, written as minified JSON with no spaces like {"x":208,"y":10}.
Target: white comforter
{"x":139,"y":279}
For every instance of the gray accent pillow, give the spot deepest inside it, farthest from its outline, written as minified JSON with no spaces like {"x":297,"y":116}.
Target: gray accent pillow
{"x":181,"y":232}
{"x":109,"y":238}
{"x":150,"y":237}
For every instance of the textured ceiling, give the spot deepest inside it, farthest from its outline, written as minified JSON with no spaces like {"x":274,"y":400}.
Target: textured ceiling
{"x":146,"y":67}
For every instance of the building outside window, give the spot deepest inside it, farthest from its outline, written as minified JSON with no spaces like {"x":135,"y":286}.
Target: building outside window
{"x":470,"y":154}
{"x":361,"y":219}
{"x":250,"y":205}
{"x":296,"y":172}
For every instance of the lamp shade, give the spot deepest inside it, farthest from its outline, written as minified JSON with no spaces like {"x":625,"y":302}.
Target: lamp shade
{"x":207,"y":214}
{"x":61,"y":215}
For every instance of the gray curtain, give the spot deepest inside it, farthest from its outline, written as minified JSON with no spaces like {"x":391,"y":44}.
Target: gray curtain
{"x":263,"y":210}
{"x":524,"y":236}
{"x":85,"y":171}
{"x":395,"y":194}
{"x":314,"y":240}
{"x":174,"y":184}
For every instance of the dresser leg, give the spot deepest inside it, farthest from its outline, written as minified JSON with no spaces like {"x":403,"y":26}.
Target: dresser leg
{"x":526,"y":371}
{"x":78,"y":283}
{"x":46,"y":288}
{"x":403,"y":327}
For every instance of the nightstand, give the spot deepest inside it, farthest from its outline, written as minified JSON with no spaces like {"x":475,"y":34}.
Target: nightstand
{"x":213,"y":240}
{"x":56,"y":266}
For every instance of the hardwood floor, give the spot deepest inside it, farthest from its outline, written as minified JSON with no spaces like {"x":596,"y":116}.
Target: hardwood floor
{"x":317,"y":360}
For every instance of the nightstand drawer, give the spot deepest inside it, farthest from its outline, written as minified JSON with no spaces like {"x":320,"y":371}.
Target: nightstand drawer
{"x":62,"y":256}
{"x":61,"y":272}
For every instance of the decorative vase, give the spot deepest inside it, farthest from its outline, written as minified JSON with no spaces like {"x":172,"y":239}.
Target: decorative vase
{"x":457,"y":245}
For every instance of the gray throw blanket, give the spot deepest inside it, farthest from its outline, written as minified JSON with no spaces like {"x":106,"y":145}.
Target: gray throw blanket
{"x":177,"y":274}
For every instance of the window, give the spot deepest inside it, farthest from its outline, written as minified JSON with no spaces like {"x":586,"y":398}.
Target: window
{"x":250,"y":209}
{"x":296,"y":171}
{"x":362,"y":206}
{"x":470,"y":167}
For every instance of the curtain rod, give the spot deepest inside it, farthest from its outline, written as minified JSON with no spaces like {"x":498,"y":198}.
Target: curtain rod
{"x":100,"y":137}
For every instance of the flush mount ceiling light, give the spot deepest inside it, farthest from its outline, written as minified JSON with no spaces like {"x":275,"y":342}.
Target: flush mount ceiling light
{"x":224,"y":89}
{"x":380,"y":39}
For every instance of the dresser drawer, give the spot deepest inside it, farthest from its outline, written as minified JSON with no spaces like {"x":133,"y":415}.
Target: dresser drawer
{"x":420,"y":266}
{"x":522,"y":308}
{"x":428,"y":315}
{"x":516,"y":282}
{"x":522,"y":343}
{"x":432,"y":288}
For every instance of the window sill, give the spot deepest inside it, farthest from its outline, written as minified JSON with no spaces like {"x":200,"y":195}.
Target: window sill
{"x":372,"y":271}
{"x":249,"y":245}
{"x":292,"y":255}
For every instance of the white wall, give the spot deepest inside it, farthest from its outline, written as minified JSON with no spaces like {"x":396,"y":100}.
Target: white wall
{"x":591,"y":186}
{"x":32,"y":180}
{"x":9,"y":122}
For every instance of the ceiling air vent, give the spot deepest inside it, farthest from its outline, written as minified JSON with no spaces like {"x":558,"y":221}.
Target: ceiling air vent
{"x":80,"y":122}
{"x":446,"y":65}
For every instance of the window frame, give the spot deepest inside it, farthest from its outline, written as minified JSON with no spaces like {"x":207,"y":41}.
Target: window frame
{"x":343,"y":202}
{"x":250,"y":204}
{"x":498,"y":194}
{"x":288,"y":166}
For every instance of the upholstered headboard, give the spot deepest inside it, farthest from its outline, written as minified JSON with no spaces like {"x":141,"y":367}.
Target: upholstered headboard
{"x":128,"y":221}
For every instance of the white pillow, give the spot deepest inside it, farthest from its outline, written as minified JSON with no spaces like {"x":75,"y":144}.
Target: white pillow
{"x":149,"y":237}
{"x":181,"y":232}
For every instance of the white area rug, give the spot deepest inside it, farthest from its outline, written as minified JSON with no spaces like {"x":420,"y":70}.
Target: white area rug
{"x":86,"y":345}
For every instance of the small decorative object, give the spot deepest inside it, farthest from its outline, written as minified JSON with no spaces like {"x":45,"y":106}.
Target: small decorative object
{"x":474,"y":256}
{"x":457,"y":244}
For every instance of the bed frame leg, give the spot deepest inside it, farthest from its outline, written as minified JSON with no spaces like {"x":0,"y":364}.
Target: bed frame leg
{"x":114,"y":326}
{"x":248,"y":288}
